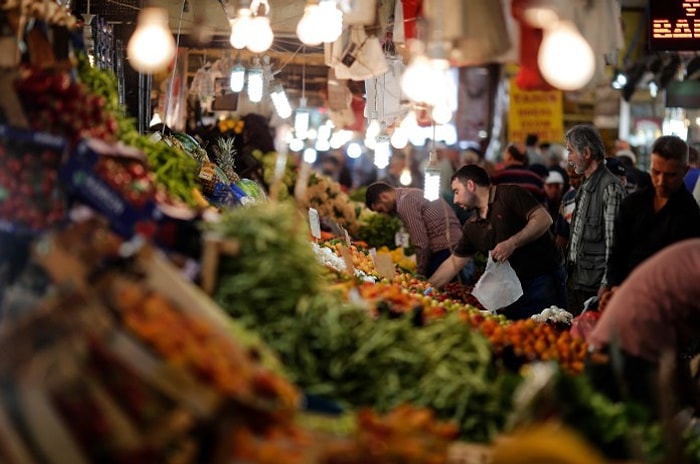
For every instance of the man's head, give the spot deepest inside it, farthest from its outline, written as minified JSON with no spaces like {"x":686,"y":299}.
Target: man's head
{"x":381,"y":198}
{"x":669,"y":163}
{"x":554,"y":186}
{"x":617,"y":167}
{"x":515,"y":153}
{"x":531,"y":140}
{"x":465,"y":184}
{"x":585,"y":148}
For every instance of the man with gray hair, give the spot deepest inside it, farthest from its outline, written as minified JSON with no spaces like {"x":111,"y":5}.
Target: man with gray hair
{"x":592,"y":226}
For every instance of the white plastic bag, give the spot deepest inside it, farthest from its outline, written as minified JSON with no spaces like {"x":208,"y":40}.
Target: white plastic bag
{"x":498,"y":287}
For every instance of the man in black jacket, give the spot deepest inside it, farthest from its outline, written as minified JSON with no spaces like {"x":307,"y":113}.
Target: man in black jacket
{"x":656,"y":217}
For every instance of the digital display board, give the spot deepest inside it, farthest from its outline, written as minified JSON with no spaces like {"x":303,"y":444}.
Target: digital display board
{"x":674,"y":25}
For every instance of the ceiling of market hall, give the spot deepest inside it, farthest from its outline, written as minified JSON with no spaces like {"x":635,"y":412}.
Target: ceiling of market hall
{"x":287,"y":54}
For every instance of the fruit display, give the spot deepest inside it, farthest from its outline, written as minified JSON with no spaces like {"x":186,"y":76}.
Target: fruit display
{"x":531,"y":341}
{"x":460,"y":292}
{"x":30,"y":196}
{"x":114,"y":181}
{"x":55,"y":103}
{"x":328,"y":198}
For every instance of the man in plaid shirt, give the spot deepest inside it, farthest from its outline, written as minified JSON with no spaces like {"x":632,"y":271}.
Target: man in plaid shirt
{"x":592,"y":226}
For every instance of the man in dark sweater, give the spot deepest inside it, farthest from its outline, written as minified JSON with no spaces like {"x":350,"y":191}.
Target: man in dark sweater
{"x":656,"y":217}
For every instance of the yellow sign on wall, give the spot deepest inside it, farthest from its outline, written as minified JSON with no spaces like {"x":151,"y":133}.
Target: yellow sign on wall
{"x":535,"y":112}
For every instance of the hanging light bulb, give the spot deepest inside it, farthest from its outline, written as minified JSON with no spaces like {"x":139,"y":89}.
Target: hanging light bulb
{"x":324,"y":131}
{"x":237,"y":78}
{"x":565,"y":58}
{"x":308,"y":29}
{"x":322,"y":145}
{"x":255,"y":82}
{"x":382,"y":150}
{"x":151,"y":47}
{"x":241,"y":28}
{"x":301,"y":120}
{"x":281,"y":102}
{"x":431,"y":187}
{"x":330,"y":20}
{"x":415,"y":79}
{"x":399,"y":139}
{"x":261,"y":35}
{"x":354,"y":150}
{"x":296,"y":144}
{"x":310,"y":155}
{"x":405,"y":178}
{"x":373,"y":127}
{"x":441,"y":113}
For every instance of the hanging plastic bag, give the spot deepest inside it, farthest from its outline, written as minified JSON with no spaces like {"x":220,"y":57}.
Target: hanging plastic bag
{"x":498,"y":287}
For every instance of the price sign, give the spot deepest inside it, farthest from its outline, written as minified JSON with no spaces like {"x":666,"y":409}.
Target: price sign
{"x":314,"y":223}
{"x":347,"y":257}
{"x":675,"y":25}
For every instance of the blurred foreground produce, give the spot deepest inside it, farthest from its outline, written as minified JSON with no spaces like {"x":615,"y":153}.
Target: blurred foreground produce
{"x":337,"y":350}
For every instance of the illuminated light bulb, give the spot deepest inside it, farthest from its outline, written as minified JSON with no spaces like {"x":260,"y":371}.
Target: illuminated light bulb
{"x":281,"y":102}
{"x":441,"y":114}
{"x":322,"y":145}
{"x":565,"y":59}
{"x":337,"y":140}
{"x":405,"y":179}
{"x":310,"y":155}
{"x":241,"y":28}
{"x":324,"y":132}
{"x":330,"y":21}
{"x":653,"y":89}
{"x":418,"y":78}
{"x":399,"y":139}
{"x":308,"y":29}
{"x":237,"y":78}
{"x":431,"y":188}
{"x":301,"y":119}
{"x":261,"y":35}
{"x":151,"y":47}
{"x":354,"y":150}
{"x":311,"y":134}
{"x":370,"y":142}
{"x":382,"y":150}
{"x":373,"y":128}
{"x":255,"y":85}
{"x":296,"y":144}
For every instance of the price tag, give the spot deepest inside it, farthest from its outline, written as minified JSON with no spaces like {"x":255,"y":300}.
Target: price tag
{"x":314,"y":223}
{"x":347,"y":238}
{"x":401,"y":238}
{"x":373,"y":255}
{"x":347,"y":257}
{"x":385,"y":266}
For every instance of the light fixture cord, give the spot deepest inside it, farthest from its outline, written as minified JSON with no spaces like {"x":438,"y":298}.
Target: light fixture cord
{"x":303,"y":75}
{"x":169,"y":96}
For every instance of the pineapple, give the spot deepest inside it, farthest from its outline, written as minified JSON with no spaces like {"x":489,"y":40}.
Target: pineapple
{"x":225,"y":153}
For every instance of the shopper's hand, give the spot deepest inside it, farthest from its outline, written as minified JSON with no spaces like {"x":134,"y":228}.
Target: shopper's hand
{"x":502,"y":251}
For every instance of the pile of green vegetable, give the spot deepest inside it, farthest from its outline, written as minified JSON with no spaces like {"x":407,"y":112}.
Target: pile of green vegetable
{"x":337,"y":350}
{"x":173,"y":169}
{"x":378,"y":230}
